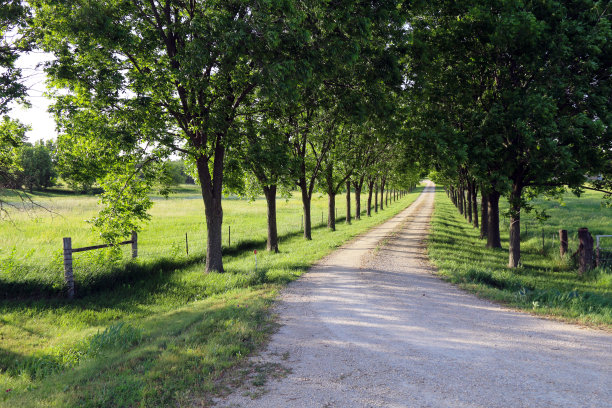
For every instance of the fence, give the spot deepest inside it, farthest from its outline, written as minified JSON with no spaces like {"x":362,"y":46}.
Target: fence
{"x":43,"y":268}
{"x":69,"y":250}
{"x":603,"y":254}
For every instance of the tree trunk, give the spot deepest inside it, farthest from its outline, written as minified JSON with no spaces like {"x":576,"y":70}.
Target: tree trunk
{"x":306,"y":207}
{"x":387,"y":198}
{"x":382,"y":193}
{"x":484,"y":214}
{"x":465,"y":203}
{"x":469,"y":203}
{"x":475,"y":205}
{"x":514,"y":244}
{"x":331,"y":211}
{"x":375,"y":197}
{"x":460,"y":200}
{"x":331,"y":199}
{"x":493,"y":238}
{"x":270,"y":193}
{"x":348,"y":201}
{"x":369,"y":209}
{"x":563,"y":242}
{"x":212,"y":194}
{"x":358,"y":185}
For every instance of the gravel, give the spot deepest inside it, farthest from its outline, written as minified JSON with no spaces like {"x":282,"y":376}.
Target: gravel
{"x":372,"y":326}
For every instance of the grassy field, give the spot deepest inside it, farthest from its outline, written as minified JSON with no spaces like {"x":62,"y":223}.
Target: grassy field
{"x":31,"y":244}
{"x":545,"y":284}
{"x":152,"y":332}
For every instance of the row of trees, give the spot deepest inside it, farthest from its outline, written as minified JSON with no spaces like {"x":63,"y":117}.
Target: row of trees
{"x":254,"y":95}
{"x":512,"y":99}
{"x":505,"y":98}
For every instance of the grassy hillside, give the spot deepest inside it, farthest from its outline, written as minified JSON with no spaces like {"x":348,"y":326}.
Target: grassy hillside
{"x":545,"y":284}
{"x":157,"y":331}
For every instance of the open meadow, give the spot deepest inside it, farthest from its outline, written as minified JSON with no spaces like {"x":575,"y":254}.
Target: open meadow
{"x":156,"y":331}
{"x":544,"y":284}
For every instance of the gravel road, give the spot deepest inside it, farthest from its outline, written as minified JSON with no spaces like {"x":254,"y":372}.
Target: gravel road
{"x":372,"y":326}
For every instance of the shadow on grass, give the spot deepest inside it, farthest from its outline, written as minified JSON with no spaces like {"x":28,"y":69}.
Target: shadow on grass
{"x":118,"y":275}
{"x":126,"y":283}
{"x":462,"y":257}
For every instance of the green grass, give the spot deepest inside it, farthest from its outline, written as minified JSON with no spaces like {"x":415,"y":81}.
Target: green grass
{"x":152,"y":332}
{"x":545,"y":284}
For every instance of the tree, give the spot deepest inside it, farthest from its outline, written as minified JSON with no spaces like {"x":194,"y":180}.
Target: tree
{"x":264,"y":152}
{"x":521,"y":93}
{"x":13,"y":15}
{"x":37,"y":167}
{"x":169,"y":76}
{"x":12,"y":133}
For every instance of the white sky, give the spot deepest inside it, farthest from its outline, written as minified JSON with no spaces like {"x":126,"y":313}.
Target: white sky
{"x":37,"y":117}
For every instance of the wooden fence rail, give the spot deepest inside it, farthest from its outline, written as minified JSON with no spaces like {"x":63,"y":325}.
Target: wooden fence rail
{"x":69,"y":250}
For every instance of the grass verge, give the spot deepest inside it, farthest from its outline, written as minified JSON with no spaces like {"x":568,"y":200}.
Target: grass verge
{"x":159,"y":332}
{"x":544,"y":285}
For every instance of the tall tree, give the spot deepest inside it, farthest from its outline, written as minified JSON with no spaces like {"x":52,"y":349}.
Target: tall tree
{"x":521,"y":90}
{"x":175,"y":73}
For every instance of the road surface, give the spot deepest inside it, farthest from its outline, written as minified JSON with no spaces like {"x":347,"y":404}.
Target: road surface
{"x":372,"y":326}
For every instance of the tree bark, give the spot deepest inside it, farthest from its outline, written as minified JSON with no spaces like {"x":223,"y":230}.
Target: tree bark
{"x":465,"y":203}
{"x":272,"y":243}
{"x":469,"y":202}
{"x":331,"y":199}
{"x":387,"y":198}
{"x":348,"y":201}
{"x":484,"y":214}
{"x":358,"y":185}
{"x":375,"y":197}
{"x":475,"y":205}
{"x":460,"y":200}
{"x":212,"y":194}
{"x":514,"y":244}
{"x":563,"y":242}
{"x":382,"y":193}
{"x":493,"y":237}
{"x":369,"y":209}
{"x":306,"y":207}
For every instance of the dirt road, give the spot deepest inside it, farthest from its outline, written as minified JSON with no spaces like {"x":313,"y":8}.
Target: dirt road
{"x":374,"y":327}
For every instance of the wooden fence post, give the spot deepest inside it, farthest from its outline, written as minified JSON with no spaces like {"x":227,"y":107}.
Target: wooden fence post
{"x":68,"y":275}
{"x":563,"y":242}
{"x":229,"y":236}
{"x":186,"y":244}
{"x":585,"y":250}
{"x":134,"y":244}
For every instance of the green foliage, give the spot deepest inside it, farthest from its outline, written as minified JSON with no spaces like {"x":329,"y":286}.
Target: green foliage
{"x":37,"y":164}
{"x":513,"y":95}
{"x":174,"y":172}
{"x":12,"y":136}
{"x":13,"y":14}
{"x":125,"y":201}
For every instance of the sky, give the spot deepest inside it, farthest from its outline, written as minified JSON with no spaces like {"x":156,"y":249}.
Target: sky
{"x":37,"y":117}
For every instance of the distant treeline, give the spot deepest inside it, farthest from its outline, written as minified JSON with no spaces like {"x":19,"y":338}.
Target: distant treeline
{"x":41,"y":166}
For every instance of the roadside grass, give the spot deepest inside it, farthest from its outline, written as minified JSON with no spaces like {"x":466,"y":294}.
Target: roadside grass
{"x":31,"y":243}
{"x":545,"y":284}
{"x":156,"y":331}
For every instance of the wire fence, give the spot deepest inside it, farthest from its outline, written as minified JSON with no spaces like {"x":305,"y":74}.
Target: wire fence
{"x":24,"y":269}
{"x":603,"y":251}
